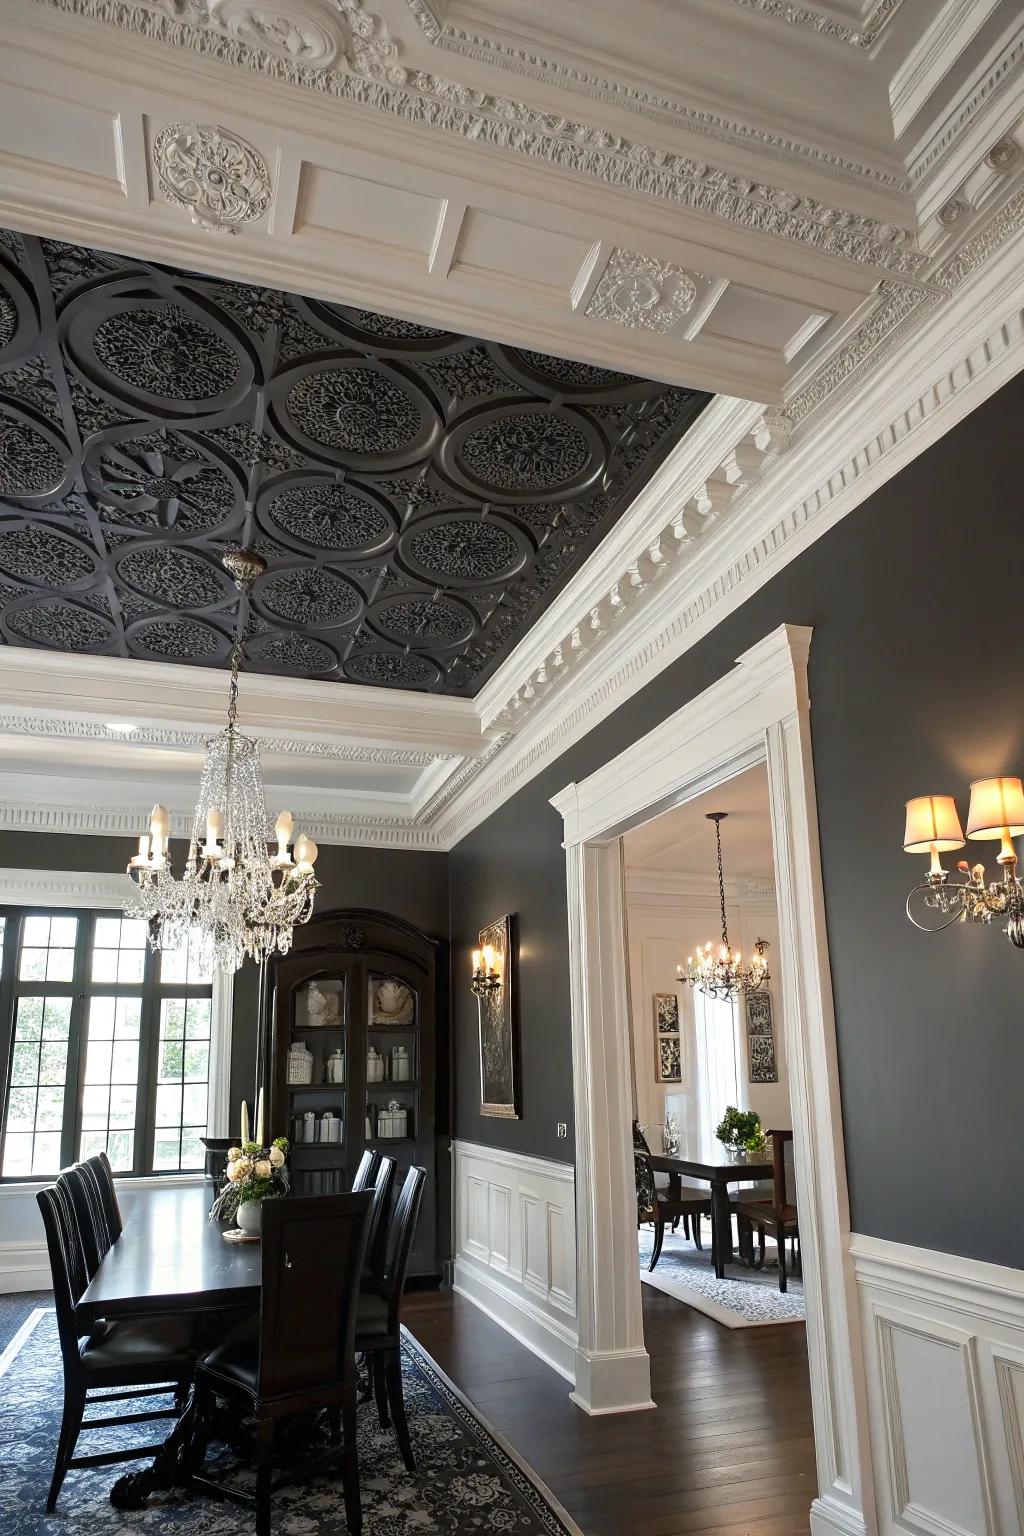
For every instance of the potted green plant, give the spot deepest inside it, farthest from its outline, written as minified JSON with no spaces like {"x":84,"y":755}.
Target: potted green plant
{"x":254,"y":1174}
{"x":739,"y":1130}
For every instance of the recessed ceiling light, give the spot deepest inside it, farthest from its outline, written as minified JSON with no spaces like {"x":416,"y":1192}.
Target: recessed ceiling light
{"x":121,"y":727}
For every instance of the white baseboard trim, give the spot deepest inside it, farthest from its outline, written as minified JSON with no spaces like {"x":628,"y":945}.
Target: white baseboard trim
{"x":24,"y":1267}
{"x":613,"y":1381}
{"x":551,"y":1341}
{"x":830,"y":1518}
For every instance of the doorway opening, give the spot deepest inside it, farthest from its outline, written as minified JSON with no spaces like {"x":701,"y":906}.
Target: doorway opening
{"x":710,"y":1074}
{"x":757,"y":714}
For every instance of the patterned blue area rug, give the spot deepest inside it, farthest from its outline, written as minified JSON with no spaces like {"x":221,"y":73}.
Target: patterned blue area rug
{"x":746,"y":1298}
{"x":469,"y":1482}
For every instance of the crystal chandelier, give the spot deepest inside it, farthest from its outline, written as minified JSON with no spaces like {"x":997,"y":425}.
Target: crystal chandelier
{"x":722,"y":975}
{"x":235,"y":896}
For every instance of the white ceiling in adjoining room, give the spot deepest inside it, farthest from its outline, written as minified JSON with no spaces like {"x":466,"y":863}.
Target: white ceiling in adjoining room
{"x":682,"y":841}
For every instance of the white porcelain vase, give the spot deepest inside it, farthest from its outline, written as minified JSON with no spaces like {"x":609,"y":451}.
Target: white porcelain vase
{"x":250,"y":1217}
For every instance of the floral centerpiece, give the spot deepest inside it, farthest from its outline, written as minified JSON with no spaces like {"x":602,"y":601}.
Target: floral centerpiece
{"x":255,"y":1173}
{"x":740,"y":1130}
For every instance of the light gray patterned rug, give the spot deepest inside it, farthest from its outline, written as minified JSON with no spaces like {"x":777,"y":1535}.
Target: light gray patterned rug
{"x":746,"y":1298}
{"x":468,"y":1482}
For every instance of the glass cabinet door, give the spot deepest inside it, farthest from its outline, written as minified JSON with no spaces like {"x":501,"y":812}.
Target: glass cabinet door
{"x":316,"y":1083}
{"x":392,"y":1059}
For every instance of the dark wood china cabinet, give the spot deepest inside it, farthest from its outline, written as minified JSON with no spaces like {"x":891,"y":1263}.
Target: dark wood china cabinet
{"x":351,"y":1054}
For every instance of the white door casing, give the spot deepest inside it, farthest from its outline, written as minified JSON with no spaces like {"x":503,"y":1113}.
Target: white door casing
{"x":759,"y":712}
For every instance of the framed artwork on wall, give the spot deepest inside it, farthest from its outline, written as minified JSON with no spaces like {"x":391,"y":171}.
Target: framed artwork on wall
{"x":499,"y":1045}
{"x":763,"y":1066}
{"x":668,"y":1044}
{"x":666,"y":1013}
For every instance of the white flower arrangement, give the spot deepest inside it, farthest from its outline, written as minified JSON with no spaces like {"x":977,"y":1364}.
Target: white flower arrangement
{"x":253,"y":1173}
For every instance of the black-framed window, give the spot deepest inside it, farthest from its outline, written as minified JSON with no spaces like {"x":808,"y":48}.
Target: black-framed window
{"x":104,"y":1045}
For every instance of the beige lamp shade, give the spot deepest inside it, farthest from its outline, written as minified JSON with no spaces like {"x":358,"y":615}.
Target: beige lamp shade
{"x":996,"y":804}
{"x":932,"y":821}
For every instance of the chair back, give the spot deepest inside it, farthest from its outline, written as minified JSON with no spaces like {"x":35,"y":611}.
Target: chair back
{"x":84,"y":1188}
{"x":67,"y":1261}
{"x":100,"y":1170}
{"x":400,"y":1239}
{"x":380,"y":1221}
{"x":646,"y":1193}
{"x":783,"y":1192}
{"x":312,"y":1258}
{"x":366,"y":1172}
{"x":639,"y":1139}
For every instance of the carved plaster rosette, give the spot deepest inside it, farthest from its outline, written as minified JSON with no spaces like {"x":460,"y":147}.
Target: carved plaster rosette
{"x":218,"y":177}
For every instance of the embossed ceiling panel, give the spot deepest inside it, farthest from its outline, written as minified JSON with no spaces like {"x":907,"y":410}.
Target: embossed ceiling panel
{"x":419,"y":495}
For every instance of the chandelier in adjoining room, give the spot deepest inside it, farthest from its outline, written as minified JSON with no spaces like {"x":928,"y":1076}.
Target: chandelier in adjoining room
{"x":235,"y":897}
{"x":724,"y":975}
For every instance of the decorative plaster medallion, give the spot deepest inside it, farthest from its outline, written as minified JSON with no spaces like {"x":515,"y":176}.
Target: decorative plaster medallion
{"x":642,"y":293}
{"x":218,"y":177}
{"x":952,"y":212}
{"x":1002,"y":155}
{"x":291,"y":30}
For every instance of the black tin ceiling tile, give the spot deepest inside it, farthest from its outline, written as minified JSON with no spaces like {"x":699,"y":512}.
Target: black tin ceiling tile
{"x":419,"y":496}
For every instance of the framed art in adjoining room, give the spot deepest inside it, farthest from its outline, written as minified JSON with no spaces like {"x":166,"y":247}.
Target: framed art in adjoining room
{"x":668,"y":1045}
{"x":762,"y":1063}
{"x":499,"y":1045}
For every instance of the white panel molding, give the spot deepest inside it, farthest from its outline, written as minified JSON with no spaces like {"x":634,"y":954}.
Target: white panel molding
{"x":946,"y":1428}
{"x":759,"y":712}
{"x":515,"y":1246}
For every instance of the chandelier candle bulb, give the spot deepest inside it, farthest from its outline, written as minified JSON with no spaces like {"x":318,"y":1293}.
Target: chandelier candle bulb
{"x":305,"y":854}
{"x":284,"y":826}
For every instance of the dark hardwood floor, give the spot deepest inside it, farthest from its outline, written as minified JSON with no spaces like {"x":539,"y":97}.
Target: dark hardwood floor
{"x":727,"y":1452}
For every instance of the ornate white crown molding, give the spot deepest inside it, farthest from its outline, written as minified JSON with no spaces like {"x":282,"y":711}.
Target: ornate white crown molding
{"x":654,"y":106}
{"x":100,"y":821}
{"x":314,"y":33}
{"x":978,"y":340}
{"x":977,"y":97}
{"x":571,"y":145}
{"x":69,"y":729}
{"x":865,"y":36}
{"x":694,"y":885}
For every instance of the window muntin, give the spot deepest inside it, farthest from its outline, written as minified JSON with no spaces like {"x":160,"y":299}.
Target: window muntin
{"x":104,"y":1045}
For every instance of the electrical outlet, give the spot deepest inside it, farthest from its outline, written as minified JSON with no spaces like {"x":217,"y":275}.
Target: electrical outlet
{"x":562,"y":1130}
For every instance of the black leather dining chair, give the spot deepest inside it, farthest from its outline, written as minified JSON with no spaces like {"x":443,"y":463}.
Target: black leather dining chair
{"x":379,"y":1324}
{"x":300,"y":1356}
{"x":142,"y":1357}
{"x":366,"y":1172}
{"x":380,"y":1222}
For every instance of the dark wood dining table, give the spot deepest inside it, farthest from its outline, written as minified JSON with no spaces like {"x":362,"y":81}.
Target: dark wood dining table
{"x":170,"y":1259}
{"x":706,"y":1159}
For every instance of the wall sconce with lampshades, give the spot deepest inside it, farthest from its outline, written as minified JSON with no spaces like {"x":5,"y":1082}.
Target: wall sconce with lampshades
{"x":944,"y":898}
{"x":486,"y":975}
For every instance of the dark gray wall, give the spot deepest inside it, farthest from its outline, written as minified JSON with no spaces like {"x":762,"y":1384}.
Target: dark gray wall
{"x":914,"y":677}
{"x":410,"y":885}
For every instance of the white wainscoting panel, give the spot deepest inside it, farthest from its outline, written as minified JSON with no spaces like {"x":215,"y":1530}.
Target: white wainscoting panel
{"x":515,"y":1246}
{"x":944,"y":1355}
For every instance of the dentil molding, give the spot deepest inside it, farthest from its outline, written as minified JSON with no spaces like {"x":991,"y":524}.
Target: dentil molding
{"x":572,"y":145}
{"x":66,"y":728}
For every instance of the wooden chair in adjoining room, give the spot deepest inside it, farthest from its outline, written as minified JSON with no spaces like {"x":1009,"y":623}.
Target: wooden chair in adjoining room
{"x":129,"y":1358}
{"x":661,"y":1206}
{"x":300,"y":1356}
{"x":773,"y":1216}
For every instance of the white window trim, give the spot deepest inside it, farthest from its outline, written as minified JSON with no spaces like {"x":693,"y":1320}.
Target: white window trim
{"x":96,"y":892}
